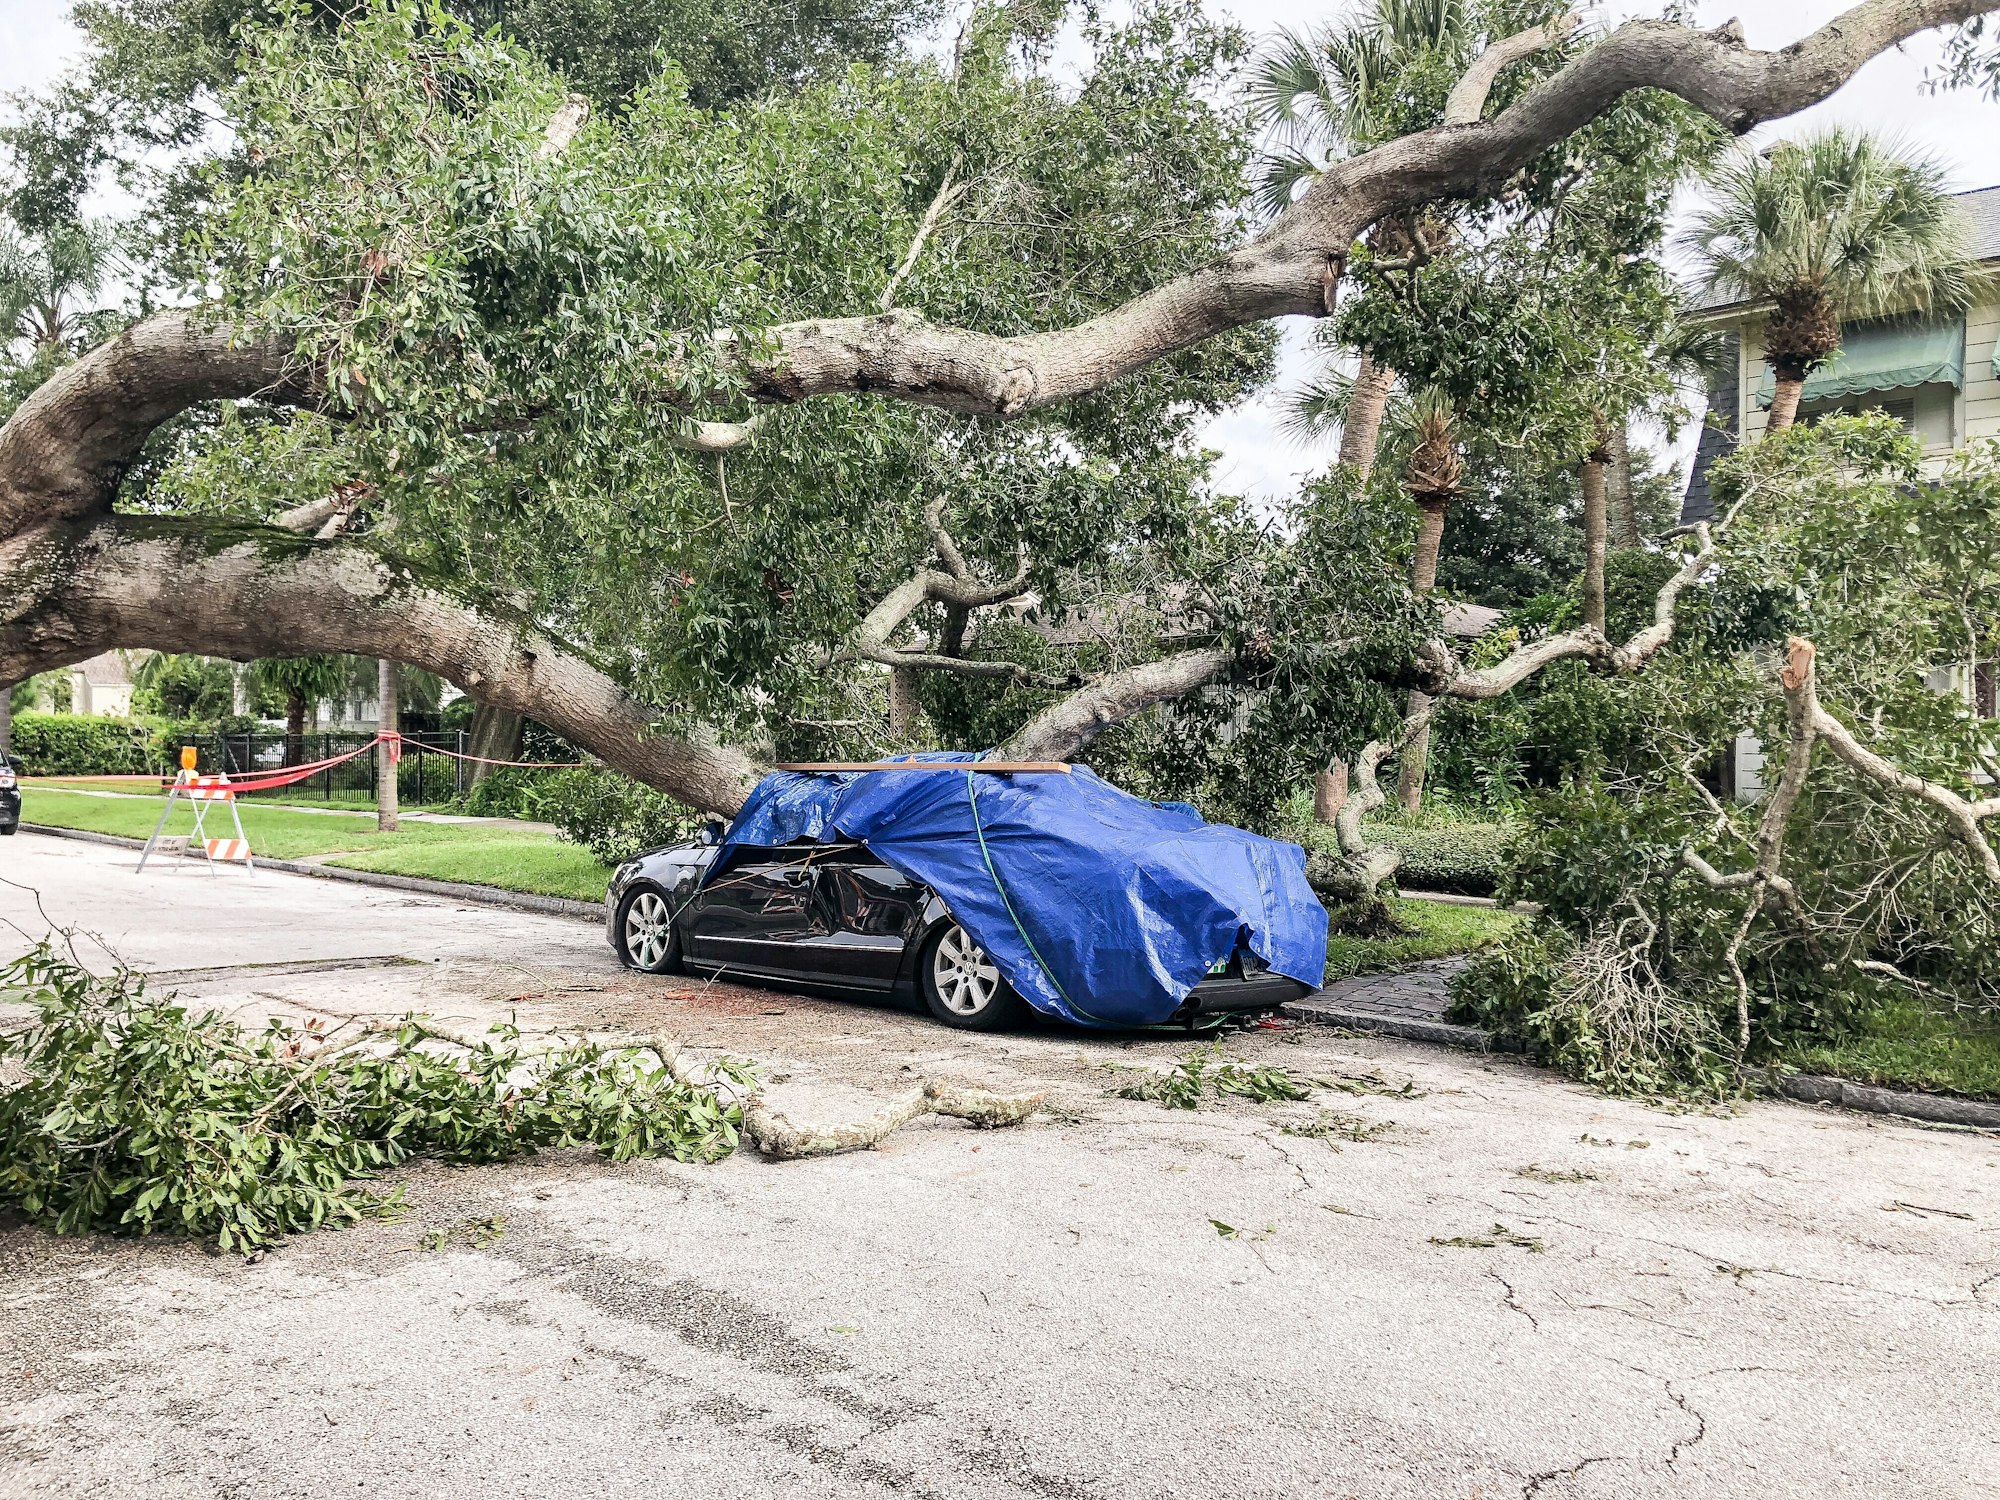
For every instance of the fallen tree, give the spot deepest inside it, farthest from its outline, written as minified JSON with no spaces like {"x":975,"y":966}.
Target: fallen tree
{"x":77,"y":577}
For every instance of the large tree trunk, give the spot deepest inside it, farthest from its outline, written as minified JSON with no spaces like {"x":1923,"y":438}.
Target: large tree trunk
{"x":1789,"y":382}
{"x":1592,"y":476}
{"x":1361,"y":431}
{"x":496,"y":734}
{"x":69,"y":593}
{"x":388,"y":719}
{"x":1413,"y":765}
{"x":1620,"y":499}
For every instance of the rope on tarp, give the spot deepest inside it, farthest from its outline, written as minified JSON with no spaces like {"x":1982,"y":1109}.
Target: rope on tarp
{"x":972,"y":796}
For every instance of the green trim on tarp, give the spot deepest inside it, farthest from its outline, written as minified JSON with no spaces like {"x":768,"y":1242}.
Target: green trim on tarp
{"x":1887,"y":356}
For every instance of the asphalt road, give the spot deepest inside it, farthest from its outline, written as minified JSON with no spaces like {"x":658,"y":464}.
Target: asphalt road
{"x":1778,"y":1301}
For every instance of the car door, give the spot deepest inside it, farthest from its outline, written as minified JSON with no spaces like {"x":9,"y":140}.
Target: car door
{"x":871,"y":914}
{"x":757,"y":914}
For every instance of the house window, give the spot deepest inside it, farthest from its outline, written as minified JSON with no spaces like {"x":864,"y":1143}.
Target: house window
{"x":1986,"y":689}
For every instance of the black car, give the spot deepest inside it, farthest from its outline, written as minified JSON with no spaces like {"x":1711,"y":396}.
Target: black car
{"x":833,"y":917}
{"x":10,"y":794}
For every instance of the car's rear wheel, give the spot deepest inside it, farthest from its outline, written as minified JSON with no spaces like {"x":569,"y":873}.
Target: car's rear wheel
{"x":964,"y":987}
{"x":646,"y":937}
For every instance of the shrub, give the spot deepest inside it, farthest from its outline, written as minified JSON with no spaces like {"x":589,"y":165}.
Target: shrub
{"x":508,"y":792}
{"x":611,"y":815}
{"x":83,"y":745}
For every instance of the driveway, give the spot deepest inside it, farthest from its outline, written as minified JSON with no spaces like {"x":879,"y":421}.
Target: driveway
{"x":1114,"y":1300}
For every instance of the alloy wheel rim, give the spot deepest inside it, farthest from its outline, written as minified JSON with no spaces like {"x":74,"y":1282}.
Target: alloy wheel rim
{"x":967,"y":979}
{"x":647,"y":930}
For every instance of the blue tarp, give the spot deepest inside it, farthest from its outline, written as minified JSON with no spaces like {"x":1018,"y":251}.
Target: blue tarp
{"x":1100,"y":908}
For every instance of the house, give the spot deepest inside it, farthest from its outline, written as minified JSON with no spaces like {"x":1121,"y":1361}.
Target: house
{"x":102,"y":685}
{"x":1940,"y":377}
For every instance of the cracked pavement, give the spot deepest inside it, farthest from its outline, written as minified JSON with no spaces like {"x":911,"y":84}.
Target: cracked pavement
{"x":1777,"y":1301}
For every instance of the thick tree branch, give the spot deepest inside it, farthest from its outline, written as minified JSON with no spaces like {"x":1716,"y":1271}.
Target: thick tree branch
{"x":1467,"y":100}
{"x":64,"y":451}
{"x":1061,"y":730}
{"x":1291,"y":267}
{"x":1362,"y":865}
{"x":243,"y":592}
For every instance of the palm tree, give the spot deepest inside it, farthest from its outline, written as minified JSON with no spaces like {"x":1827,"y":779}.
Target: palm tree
{"x":47,"y":283}
{"x":1427,"y":428}
{"x":1333,"y":93}
{"x":303,"y":681}
{"x":1841,"y":224}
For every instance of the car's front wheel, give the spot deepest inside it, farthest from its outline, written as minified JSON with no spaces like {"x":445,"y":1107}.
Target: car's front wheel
{"x":646,"y":937}
{"x":964,"y":987}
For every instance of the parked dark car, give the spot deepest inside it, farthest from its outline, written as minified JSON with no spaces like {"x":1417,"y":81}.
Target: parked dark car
{"x":833,"y":918}
{"x":10,"y":794}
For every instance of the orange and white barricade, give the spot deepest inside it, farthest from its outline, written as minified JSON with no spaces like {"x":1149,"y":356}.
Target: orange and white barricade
{"x":201,"y":793}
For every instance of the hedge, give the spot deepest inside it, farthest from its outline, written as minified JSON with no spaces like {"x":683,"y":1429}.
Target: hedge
{"x":1464,"y":859}
{"x":83,"y":745}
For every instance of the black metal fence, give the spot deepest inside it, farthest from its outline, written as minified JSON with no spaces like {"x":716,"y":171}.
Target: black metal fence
{"x":424,"y":776}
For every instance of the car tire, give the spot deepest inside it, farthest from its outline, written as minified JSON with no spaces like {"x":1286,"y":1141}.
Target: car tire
{"x":9,"y":828}
{"x":647,"y":940}
{"x":963,"y":987}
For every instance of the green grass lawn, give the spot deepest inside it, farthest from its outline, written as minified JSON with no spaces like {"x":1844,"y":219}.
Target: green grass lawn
{"x":1909,"y":1047}
{"x":1441,"y":929}
{"x":512,"y":859}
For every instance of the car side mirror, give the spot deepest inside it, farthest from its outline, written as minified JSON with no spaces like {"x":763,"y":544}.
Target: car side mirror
{"x":710,"y":835}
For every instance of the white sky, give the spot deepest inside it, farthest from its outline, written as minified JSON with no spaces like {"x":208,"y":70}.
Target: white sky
{"x":1961,"y":129}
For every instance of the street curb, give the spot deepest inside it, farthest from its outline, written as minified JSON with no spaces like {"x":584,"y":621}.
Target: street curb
{"x":1408,"y":1028}
{"x":1936,"y":1109}
{"x":1803,"y":1088}
{"x":446,"y":890}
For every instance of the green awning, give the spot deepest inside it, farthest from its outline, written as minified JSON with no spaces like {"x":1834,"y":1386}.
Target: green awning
{"x":1886,"y":356}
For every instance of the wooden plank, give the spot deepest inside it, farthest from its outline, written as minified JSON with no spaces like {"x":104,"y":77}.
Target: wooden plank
{"x":987,"y":767}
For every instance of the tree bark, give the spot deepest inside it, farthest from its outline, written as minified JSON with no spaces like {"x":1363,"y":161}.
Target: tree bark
{"x":1414,"y":763}
{"x":295,"y":728}
{"x":1329,"y":793}
{"x":1064,"y":728}
{"x":1789,"y":384}
{"x":1620,"y":499}
{"x":904,"y":705}
{"x":1592,"y":476}
{"x":388,"y":718}
{"x":143,"y":581}
{"x":496,"y":734}
{"x":1361,"y":431}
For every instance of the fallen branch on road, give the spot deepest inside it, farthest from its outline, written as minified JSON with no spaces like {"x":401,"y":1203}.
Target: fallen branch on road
{"x":777,"y":1137}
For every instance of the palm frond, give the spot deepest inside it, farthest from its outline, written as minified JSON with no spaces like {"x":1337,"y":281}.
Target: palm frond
{"x":1863,"y":221}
